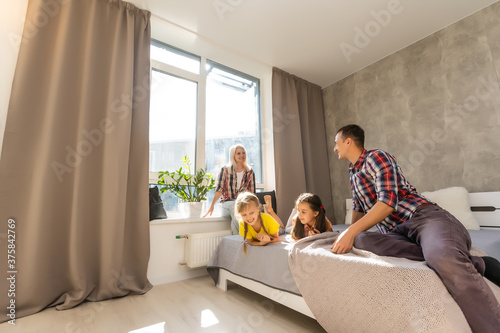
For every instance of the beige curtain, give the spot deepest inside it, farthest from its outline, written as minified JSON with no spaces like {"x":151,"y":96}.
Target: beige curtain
{"x":74,"y":167}
{"x":300,"y":149}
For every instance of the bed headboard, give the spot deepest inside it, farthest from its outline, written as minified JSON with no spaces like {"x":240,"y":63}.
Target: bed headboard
{"x":485,"y":207}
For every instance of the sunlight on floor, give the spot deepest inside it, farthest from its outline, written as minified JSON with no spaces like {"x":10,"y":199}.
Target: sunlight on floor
{"x":156,"y":328}
{"x":208,"y":318}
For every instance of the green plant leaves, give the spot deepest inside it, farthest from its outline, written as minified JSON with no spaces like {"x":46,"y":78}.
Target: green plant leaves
{"x":185,"y":185}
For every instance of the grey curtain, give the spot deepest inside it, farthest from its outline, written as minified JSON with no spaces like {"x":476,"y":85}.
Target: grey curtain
{"x":74,"y":167}
{"x":300,"y":148}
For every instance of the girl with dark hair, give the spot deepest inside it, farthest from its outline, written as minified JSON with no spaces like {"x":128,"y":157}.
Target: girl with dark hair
{"x":311,"y":217}
{"x":256,"y":228}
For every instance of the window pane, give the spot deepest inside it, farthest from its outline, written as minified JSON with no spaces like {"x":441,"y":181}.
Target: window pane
{"x":172,"y":121}
{"x":175,"y":57}
{"x":170,"y":203}
{"x":232,"y":117}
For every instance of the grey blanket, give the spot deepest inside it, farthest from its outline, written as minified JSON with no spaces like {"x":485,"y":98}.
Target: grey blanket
{"x":363,"y":292}
{"x":265,"y":264}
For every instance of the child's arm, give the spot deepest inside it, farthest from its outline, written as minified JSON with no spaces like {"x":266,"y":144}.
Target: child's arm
{"x":264,"y":239}
{"x":256,"y":242}
{"x":275,"y":238}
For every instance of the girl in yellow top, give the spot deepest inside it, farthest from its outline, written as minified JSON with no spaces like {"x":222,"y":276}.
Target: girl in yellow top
{"x":311,"y":217}
{"x":256,"y":228}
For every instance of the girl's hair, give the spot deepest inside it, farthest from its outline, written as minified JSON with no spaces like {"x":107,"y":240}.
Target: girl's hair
{"x":232,"y":152}
{"x":315,"y":204}
{"x":242,"y":201}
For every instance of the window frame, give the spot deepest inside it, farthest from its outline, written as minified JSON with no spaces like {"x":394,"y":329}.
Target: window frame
{"x":201,"y":80}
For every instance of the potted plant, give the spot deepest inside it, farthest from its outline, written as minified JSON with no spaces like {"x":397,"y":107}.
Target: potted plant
{"x":190,"y":188}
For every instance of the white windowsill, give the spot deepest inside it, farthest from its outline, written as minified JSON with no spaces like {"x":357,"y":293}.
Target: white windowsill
{"x":190,"y":220}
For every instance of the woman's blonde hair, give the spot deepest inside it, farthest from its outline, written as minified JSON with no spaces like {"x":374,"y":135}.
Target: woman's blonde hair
{"x":232,"y":152}
{"x":242,"y":201}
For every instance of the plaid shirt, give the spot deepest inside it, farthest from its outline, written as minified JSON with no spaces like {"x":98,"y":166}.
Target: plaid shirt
{"x":227,"y":183}
{"x":376,"y":176}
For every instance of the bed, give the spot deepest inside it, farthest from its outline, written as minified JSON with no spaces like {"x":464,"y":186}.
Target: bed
{"x":280,"y":283}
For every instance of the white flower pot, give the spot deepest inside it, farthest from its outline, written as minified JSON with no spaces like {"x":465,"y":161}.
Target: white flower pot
{"x":192,"y":209}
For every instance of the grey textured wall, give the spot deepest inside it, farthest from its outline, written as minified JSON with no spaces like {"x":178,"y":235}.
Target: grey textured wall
{"x":434,"y":105}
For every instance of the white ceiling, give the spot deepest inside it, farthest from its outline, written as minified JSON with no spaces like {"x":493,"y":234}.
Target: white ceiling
{"x":304,"y":37}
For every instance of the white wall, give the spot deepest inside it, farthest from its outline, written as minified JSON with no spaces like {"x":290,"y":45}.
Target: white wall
{"x":12,"y":17}
{"x":167,"y":251}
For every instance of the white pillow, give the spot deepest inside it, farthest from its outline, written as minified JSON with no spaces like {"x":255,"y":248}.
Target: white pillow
{"x":456,"y":201}
{"x":348,"y":211}
{"x":289,"y":223}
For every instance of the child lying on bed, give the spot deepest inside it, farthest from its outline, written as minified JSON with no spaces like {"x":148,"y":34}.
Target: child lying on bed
{"x":256,"y":228}
{"x":311,"y":217}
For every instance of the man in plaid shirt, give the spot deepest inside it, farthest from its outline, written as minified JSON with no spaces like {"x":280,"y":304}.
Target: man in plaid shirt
{"x":412,"y":227}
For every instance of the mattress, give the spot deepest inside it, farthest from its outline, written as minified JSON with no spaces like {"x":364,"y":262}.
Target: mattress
{"x":269,"y":264}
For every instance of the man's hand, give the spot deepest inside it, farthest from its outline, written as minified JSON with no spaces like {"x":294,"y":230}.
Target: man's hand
{"x":344,"y":242}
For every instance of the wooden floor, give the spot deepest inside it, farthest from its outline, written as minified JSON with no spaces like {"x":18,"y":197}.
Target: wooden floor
{"x":194,"y":305}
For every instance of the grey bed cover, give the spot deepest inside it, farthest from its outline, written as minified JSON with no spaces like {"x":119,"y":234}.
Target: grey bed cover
{"x":269,"y":264}
{"x":265,"y":264}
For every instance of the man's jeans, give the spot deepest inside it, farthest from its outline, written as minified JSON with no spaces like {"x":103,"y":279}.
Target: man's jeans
{"x":437,"y":237}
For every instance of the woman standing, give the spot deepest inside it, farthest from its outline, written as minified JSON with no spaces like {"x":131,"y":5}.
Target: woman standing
{"x":234,"y":178}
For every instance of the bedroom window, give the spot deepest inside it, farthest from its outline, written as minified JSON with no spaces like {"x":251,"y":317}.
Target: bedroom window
{"x":200,"y":108}
{"x":232,"y":117}
{"x":172,"y":121}
{"x":175,"y":57}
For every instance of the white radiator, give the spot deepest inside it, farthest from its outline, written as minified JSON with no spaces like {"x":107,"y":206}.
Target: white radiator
{"x":199,"y":247}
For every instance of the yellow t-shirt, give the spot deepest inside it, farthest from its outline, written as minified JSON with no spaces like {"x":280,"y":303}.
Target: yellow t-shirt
{"x":269,"y":223}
